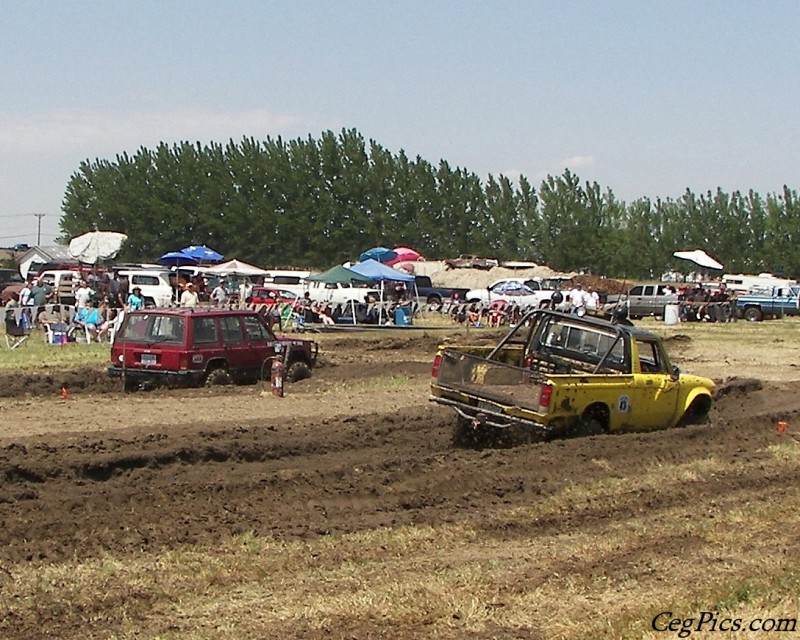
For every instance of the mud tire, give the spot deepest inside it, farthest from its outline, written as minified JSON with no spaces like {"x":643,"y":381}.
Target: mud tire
{"x":297,"y":371}
{"x":217,"y":377}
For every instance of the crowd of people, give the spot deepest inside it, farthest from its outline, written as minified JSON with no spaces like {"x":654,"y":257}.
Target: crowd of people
{"x":101,"y":300}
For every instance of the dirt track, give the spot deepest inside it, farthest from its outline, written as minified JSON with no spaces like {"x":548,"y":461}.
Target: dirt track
{"x":356,"y":447}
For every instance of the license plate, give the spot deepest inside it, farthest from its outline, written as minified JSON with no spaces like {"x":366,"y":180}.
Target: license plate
{"x":149,"y":358}
{"x":486,"y":406}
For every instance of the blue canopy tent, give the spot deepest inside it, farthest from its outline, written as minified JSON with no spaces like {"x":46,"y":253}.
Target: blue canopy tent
{"x":381,"y":254}
{"x":177,"y":258}
{"x":381,"y":273}
{"x":202,"y":253}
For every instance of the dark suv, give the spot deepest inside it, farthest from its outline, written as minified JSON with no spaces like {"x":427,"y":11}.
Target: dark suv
{"x":190,"y":347}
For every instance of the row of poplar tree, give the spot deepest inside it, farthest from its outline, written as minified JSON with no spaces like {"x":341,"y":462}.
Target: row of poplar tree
{"x":317,"y":202}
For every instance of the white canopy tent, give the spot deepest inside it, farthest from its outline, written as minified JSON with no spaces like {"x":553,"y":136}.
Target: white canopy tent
{"x":95,"y":246}
{"x":236,"y":268}
{"x":700,"y":258}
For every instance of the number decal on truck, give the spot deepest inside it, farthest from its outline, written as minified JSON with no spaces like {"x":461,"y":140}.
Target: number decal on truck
{"x":623,"y":404}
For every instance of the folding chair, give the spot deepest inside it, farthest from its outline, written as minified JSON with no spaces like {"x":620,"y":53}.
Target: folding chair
{"x":16,"y":335}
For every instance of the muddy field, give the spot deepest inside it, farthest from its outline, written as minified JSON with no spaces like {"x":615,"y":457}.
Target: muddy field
{"x":355,"y":448}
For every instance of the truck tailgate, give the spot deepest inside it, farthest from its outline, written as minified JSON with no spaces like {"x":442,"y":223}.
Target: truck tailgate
{"x":488,"y":383}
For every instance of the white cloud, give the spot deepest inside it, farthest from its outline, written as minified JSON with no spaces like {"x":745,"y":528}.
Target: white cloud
{"x":557,"y":168}
{"x":576,"y":162}
{"x":103,"y":131}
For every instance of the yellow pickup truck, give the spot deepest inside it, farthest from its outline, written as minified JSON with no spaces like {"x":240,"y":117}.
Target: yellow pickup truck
{"x":562,"y":375}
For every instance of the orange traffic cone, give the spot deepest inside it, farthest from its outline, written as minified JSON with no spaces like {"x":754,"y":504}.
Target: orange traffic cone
{"x":64,"y":393}
{"x":782,"y":426}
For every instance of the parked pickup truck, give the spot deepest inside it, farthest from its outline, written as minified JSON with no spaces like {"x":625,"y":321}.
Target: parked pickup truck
{"x":436,"y":296}
{"x":559,"y":375}
{"x":769,"y":303}
{"x":647,"y":299}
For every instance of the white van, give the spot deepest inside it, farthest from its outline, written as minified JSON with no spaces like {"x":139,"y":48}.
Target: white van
{"x":154,"y":283}
{"x":339,"y":292}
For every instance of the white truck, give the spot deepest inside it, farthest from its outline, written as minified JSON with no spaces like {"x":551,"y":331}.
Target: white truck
{"x":525,"y":293}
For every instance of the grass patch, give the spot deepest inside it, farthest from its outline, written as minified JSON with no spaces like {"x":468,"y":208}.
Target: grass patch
{"x":37,"y":354}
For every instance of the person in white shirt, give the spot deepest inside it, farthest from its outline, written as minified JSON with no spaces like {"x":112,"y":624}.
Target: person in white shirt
{"x":189,"y":296}
{"x":219,"y":295}
{"x":591,"y":300}
{"x":25,"y":295}
{"x":82,"y":295}
{"x":577,"y":300}
{"x":245,"y":291}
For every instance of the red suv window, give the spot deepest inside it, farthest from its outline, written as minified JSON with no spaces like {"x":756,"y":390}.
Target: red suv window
{"x":231,"y":330}
{"x":256,"y":332}
{"x":154,"y":328}
{"x":204,"y":330}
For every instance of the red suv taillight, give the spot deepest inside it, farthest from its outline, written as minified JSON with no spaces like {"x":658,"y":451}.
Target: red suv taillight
{"x":183,"y":361}
{"x":437,"y":363}
{"x":545,"y":395}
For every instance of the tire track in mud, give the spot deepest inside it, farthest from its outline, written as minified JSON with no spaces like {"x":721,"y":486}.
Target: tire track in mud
{"x":67,"y":495}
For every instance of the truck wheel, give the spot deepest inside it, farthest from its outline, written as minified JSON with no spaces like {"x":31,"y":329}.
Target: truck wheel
{"x":753,"y":314}
{"x":217,"y":377}
{"x":593,"y":422}
{"x":697,"y":413}
{"x":434,"y":303}
{"x":298,"y":370}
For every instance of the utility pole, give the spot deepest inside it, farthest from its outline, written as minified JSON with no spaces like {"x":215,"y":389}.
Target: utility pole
{"x":39,"y":229}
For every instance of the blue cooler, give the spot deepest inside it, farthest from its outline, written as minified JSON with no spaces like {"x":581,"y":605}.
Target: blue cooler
{"x":403,"y":317}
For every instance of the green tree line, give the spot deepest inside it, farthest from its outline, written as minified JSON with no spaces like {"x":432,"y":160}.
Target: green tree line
{"x":317,"y":202}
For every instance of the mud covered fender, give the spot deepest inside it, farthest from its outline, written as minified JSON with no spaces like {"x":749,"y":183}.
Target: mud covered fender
{"x":693,"y":394}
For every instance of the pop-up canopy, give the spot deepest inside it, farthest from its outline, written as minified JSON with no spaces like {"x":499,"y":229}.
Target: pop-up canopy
{"x":339,"y":274}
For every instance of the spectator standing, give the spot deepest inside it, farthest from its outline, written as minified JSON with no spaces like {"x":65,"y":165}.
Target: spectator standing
{"x":591,"y":300}
{"x":83,"y":295}
{"x":577,"y":300}
{"x":40,"y":292}
{"x":114,"y":291}
{"x":25,"y":295}
{"x":219,"y":295}
{"x":189,"y":297}
{"x":245,"y":292}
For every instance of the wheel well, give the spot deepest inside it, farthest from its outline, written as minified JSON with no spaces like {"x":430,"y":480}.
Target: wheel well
{"x":699,"y":408}
{"x":599,"y":412}
{"x":296,"y":355}
{"x":217,"y":363}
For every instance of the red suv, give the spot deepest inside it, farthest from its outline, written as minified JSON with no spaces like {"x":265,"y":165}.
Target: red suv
{"x":189,"y":347}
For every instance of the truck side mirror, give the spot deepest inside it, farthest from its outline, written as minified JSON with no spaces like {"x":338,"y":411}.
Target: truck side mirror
{"x":675,"y":374}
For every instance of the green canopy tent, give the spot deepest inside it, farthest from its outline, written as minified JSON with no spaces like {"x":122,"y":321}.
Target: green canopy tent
{"x":341,"y":275}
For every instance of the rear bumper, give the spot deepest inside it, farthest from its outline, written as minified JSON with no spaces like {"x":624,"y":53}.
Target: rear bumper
{"x":161,"y":378}
{"x":486,"y":415}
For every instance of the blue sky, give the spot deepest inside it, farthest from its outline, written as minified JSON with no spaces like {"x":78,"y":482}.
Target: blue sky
{"x":646,"y":98}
